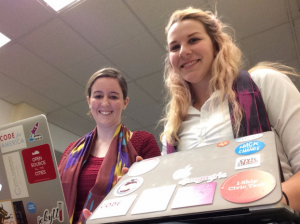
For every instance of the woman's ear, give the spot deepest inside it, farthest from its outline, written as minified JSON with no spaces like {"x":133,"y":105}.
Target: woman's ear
{"x":88,"y":101}
{"x":126,"y":101}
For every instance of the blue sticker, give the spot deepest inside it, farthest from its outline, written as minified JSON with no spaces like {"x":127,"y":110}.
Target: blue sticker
{"x":249,"y":147}
{"x":31,"y":207}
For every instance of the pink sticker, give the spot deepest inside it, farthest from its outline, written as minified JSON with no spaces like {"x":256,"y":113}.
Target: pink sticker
{"x":247,"y":186}
{"x":201,"y":194}
{"x":39,"y":164}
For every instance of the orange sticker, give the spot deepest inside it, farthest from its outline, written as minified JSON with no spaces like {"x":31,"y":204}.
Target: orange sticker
{"x":221,"y":144}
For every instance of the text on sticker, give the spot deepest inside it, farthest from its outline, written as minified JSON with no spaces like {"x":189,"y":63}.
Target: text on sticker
{"x":198,"y":180}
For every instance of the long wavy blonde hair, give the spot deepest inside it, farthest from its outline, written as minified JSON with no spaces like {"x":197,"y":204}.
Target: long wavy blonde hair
{"x":224,"y":70}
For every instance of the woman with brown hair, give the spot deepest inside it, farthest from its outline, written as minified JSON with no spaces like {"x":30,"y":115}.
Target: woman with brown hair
{"x":212,"y":100}
{"x":90,"y":167}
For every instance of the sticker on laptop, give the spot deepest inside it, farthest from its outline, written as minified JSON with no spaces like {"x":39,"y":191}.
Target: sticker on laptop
{"x":198,"y":180}
{"x":33,"y":135}
{"x":49,"y":217}
{"x":113,"y":207}
{"x":39,"y":164}
{"x":182,"y":173}
{"x":15,"y":175}
{"x":154,"y":200}
{"x":143,"y":166}
{"x":249,"y":138}
{"x":7,"y":213}
{"x":200,"y":194}
{"x":247,"y":186}
{"x":222,"y":144}
{"x":20,"y":212}
{"x":12,"y":139}
{"x":129,"y":186}
{"x":248,"y":148}
{"x":31,"y":207}
{"x":247,"y":162}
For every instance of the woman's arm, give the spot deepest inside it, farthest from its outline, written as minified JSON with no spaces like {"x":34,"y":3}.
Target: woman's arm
{"x":145,"y":144}
{"x":282,"y":101}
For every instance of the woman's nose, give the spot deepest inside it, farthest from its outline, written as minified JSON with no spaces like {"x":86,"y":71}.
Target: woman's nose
{"x":184,"y":51}
{"x":105,"y":101}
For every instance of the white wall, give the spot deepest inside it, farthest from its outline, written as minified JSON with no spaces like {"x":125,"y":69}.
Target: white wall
{"x":6,"y":112}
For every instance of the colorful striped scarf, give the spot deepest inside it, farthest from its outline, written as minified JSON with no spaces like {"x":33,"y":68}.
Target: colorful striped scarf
{"x":120,"y":154}
{"x":255,"y":118}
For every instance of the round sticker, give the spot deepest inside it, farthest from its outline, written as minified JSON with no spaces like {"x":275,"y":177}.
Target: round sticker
{"x":31,"y":207}
{"x":249,"y":138}
{"x":222,"y":144}
{"x":247,"y":186}
{"x":128,"y":186}
{"x":143,"y":166}
{"x":249,"y":147}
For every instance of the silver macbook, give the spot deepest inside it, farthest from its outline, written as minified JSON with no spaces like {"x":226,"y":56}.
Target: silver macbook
{"x":30,"y":187}
{"x":235,"y":181}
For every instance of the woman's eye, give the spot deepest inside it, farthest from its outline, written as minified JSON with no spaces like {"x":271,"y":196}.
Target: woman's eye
{"x":114,"y":97}
{"x":194,"y":40}
{"x":174,"y":48}
{"x":98,"y":96}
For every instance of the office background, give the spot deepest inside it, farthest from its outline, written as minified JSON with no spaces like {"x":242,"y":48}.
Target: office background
{"x":45,"y":66}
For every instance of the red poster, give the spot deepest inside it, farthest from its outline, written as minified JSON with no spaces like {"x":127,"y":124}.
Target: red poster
{"x":39,"y":164}
{"x":247,"y":186}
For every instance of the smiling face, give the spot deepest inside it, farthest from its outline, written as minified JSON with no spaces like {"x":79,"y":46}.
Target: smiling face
{"x":106,"y":102}
{"x":191,"y":51}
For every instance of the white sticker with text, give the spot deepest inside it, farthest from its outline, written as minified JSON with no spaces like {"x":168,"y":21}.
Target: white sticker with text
{"x":247,"y":162}
{"x":249,"y":138}
{"x":114,"y":207}
{"x":15,"y":175}
{"x":12,"y":139}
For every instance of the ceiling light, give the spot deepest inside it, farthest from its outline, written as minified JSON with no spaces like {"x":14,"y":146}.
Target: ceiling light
{"x":59,"y":4}
{"x":3,"y":40}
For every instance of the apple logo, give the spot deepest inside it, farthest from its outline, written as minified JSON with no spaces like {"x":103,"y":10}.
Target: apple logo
{"x":182,"y":173}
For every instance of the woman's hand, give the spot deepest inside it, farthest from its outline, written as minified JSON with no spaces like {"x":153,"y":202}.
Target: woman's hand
{"x":125,"y":169}
{"x":86,"y":212}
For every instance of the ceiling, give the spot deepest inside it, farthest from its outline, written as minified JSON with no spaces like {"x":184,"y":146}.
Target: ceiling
{"x":52,"y":55}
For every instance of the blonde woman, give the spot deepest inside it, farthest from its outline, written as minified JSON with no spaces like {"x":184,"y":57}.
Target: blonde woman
{"x":210,"y":100}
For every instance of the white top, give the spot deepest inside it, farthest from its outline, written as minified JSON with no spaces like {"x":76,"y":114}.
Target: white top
{"x":282,"y":102}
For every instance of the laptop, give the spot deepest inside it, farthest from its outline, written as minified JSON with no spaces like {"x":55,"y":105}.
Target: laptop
{"x":233,"y":181}
{"x":30,"y":187}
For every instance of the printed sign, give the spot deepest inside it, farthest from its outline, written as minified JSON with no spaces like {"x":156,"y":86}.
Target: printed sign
{"x":222,"y":144}
{"x":154,"y":200}
{"x":114,"y":207}
{"x":249,"y":147}
{"x":143,"y":166}
{"x":128,"y":186}
{"x":249,"y":138}
{"x":12,"y":139}
{"x":15,"y":175}
{"x":56,"y":213}
{"x":201,"y":194}
{"x":33,"y":135}
{"x":198,"y":180}
{"x":7,"y":214}
{"x":20,"y":212}
{"x":39,"y":164}
{"x":247,"y":186}
{"x":247,"y":162}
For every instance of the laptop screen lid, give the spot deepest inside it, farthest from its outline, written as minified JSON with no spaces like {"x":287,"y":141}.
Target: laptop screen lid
{"x":232,"y":175}
{"x":31,"y":190}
